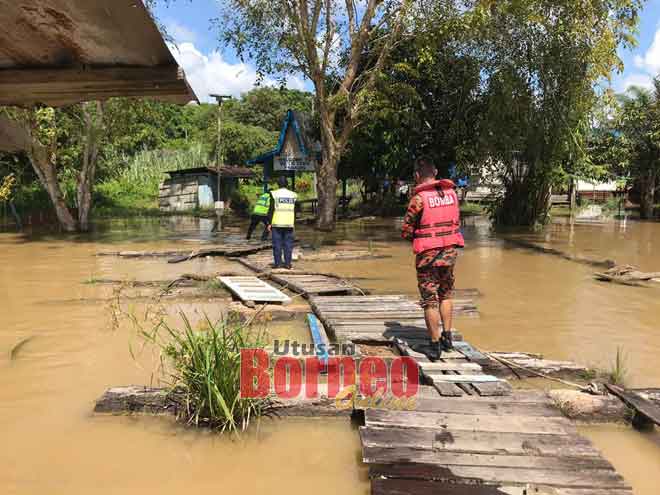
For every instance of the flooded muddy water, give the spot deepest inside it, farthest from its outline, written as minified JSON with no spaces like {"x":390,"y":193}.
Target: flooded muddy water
{"x":72,"y":352}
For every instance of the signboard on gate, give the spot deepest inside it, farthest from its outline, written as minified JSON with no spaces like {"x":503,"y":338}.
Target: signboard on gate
{"x":293,"y":163}
{"x":291,"y":158}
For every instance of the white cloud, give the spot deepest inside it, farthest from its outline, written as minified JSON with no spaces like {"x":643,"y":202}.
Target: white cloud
{"x":211,"y":73}
{"x":650,"y":61}
{"x":641,"y":80}
{"x":648,"y":65}
{"x":179,"y":32}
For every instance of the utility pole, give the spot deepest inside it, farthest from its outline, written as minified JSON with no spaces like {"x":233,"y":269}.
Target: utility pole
{"x":218,"y":159}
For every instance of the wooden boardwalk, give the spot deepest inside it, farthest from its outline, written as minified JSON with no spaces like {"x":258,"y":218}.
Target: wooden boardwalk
{"x":379,"y":318}
{"x":470,"y":432}
{"x":463,"y":446}
{"x":307,"y":284}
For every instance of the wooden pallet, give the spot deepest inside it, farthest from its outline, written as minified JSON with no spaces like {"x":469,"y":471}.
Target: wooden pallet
{"x":255,"y":290}
{"x":465,"y":446}
{"x":378,"y":318}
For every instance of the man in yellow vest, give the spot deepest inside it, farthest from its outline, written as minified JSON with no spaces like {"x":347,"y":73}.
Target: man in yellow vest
{"x":259,"y":215}
{"x":282,"y":219}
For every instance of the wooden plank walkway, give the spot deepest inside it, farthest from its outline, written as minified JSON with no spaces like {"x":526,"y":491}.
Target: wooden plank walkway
{"x":230,"y":249}
{"x":252,"y":289}
{"x":378,"y":318}
{"x":307,"y":284}
{"x":483,"y":446}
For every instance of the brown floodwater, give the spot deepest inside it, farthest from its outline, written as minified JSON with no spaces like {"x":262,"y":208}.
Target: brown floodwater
{"x":53,"y":444}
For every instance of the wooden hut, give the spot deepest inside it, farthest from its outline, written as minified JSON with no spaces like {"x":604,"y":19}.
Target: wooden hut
{"x":197,"y":187}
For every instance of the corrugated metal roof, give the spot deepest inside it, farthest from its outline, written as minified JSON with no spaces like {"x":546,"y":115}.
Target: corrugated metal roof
{"x":58,"y":52}
{"x":226,"y":171}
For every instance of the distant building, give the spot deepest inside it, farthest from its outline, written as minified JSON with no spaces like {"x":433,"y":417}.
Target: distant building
{"x":596,"y":192}
{"x":192,"y":188}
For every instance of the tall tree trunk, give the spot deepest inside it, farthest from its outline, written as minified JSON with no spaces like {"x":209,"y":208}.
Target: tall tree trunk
{"x":327,"y":172}
{"x":327,"y":190}
{"x":648,"y":183}
{"x":93,"y":115}
{"x":45,"y":170}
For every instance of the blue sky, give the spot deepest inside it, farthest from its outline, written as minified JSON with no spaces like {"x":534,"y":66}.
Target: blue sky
{"x":212,"y":68}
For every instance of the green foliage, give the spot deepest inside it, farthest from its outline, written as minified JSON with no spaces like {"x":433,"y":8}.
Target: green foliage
{"x":205,"y":364}
{"x":619,"y":370}
{"x":639,"y":141}
{"x":241,"y":142}
{"x":134,"y":185}
{"x":240,"y":202}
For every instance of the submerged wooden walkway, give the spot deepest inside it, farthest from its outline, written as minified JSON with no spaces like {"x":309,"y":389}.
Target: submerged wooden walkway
{"x":470,"y":432}
{"x":307,"y":284}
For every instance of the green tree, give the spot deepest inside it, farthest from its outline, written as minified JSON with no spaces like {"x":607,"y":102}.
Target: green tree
{"x":544,"y":60}
{"x":329,"y":43}
{"x":640,"y":126}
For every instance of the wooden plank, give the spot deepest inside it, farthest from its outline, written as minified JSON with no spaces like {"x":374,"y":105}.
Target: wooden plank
{"x":492,"y":389}
{"x":588,"y":478}
{"x":509,"y":443}
{"x":642,"y":406}
{"x":440,"y":377}
{"x":453,"y":422}
{"x":399,"y":455}
{"x":450,"y":366}
{"x":470,"y":352}
{"x":385,"y":486}
{"x":495,"y":407}
{"x":254,"y":289}
{"x":448,"y":389}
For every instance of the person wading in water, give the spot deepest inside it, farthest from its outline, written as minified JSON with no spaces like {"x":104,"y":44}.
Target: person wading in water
{"x":260,"y":215}
{"x":432,"y":223}
{"x":282,"y":217}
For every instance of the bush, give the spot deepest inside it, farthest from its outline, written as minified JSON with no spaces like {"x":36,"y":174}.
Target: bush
{"x":240,"y":203}
{"x":205,"y":366}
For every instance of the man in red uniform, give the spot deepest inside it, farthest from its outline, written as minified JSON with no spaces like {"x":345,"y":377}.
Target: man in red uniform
{"x":432,"y":223}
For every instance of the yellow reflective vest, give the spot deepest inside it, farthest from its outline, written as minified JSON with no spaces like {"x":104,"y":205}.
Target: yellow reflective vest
{"x":262,"y":206}
{"x":284,"y":208}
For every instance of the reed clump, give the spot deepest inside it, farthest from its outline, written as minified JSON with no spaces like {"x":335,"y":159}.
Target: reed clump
{"x":618,"y":372}
{"x":203,"y":369}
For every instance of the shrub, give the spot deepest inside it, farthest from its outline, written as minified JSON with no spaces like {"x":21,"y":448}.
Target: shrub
{"x":240,"y":203}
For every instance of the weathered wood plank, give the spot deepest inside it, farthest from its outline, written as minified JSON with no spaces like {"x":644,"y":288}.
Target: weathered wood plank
{"x":438,"y":376}
{"x":452,"y":422}
{"x":400,"y":455}
{"x":492,"y":389}
{"x":510,"y":443}
{"x":589,"y":478}
{"x":647,"y":409}
{"x":385,"y":486}
{"x":495,"y":407}
{"x":450,"y":366}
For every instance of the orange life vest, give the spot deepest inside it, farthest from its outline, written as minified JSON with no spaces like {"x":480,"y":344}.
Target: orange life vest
{"x":440,"y":223}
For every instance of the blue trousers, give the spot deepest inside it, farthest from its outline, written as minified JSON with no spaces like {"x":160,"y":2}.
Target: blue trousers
{"x":282,"y":245}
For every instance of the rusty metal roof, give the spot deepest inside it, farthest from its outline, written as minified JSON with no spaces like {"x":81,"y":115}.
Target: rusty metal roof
{"x":229,"y":171}
{"x":58,"y":52}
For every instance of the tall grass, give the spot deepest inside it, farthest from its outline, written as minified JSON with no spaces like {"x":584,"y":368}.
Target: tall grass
{"x":135,"y":181}
{"x":203,"y":367}
{"x":618,"y":373}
